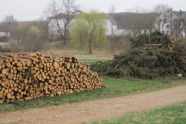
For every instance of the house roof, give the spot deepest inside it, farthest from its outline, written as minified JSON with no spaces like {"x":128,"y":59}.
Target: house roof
{"x":121,"y":13}
{"x":64,"y":16}
{"x":4,"y":28}
{"x":27,"y":23}
{"x":129,"y":20}
{"x":77,"y":12}
{"x":112,"y":20}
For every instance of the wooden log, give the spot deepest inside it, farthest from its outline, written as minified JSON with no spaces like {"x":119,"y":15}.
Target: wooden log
{"x":25,"y":77}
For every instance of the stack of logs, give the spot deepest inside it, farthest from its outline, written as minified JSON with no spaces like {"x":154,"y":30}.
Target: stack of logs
{"x":32,"y":75}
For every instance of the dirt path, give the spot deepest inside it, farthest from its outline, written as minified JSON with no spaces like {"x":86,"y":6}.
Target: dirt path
{"x":96,"y":110}
{"x":95,"y":58}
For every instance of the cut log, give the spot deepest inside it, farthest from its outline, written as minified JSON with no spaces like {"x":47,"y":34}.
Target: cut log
{"x":25,"y":76}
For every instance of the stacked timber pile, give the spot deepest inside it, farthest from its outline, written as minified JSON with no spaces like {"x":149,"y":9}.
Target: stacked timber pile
{"x":27,"y":76}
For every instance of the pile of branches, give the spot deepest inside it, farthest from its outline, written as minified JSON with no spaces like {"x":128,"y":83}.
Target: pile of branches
{"x":153,"y":38}
{"x":160,"y":58}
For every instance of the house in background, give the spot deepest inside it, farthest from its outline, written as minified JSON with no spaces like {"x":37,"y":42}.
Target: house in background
{"x":60,"y":20}
{"x":171,"y":23}
{"x":134,"y":24}
{"x":117,"y":23}
{"x":4,"y":33}
{"x":111,"y":26}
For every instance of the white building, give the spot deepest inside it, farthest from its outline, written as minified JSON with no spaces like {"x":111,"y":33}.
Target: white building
{"x":170,"y":23}
{"x":132,"y":23}
{"x":112,"y":29}
{"x":4,"y":33}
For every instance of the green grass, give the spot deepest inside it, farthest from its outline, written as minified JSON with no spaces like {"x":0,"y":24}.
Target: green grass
{"x":91,"y":61}
{"x":117,"y":87}
{"x":175,"y":114}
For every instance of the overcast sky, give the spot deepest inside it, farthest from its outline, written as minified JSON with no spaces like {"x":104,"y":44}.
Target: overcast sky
{"x":25,"y":10}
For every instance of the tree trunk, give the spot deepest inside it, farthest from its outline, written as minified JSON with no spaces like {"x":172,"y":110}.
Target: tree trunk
{"x":65,"y":35}
{"x":149,"y":37}
{"x":66,"y":29}
{"x":179,"y":29}
{"x":60,"y":33}
{"x":90,"y":47}
{"x":64,"y":41}
{"x":90,"y":41}
{"x":61,"y":39}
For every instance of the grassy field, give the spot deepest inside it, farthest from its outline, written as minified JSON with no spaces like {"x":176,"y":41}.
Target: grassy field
{"x":55,"y":48}
{"x":90,"y":61}
{"x":112,"y":49}
{"x":117,"y":87}
{"x":175,"y":114}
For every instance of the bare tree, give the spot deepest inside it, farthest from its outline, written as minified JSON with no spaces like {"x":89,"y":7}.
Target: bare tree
{"x":177,"y":26}
{"x":138,"y":10}
{"x":111,"y":17}
{"x":26,"y":37}
{"x":160,"y":8}
{"x":184,"y":25}
{"x":150,"y":20}
{"x":9,"y":19}
{"x":14,"y":26}
{"x":69,"y":9}
{"x":62,"y":12}
{"x":52,"y":11}
{"x":42,"y":25}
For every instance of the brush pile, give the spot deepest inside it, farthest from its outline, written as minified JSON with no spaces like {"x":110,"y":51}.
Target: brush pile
{"x":26,"y":76}
{"x":151,"y":56}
